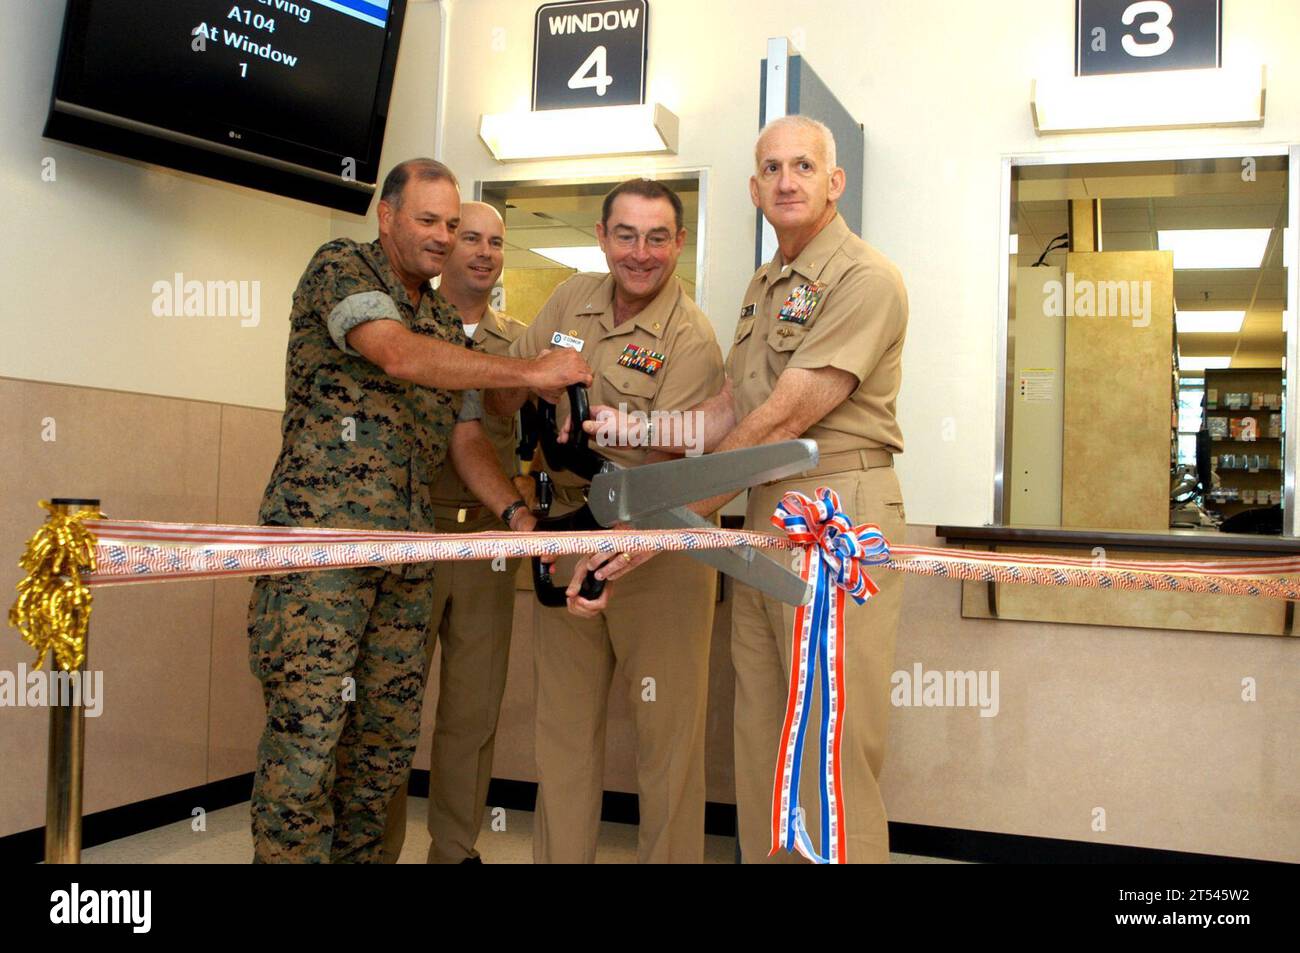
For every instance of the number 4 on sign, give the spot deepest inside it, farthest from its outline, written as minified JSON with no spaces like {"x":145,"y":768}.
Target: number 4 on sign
{"x":595,"y":64}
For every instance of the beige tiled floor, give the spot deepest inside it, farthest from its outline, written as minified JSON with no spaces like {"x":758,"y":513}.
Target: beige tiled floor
{"x":226,"y":840}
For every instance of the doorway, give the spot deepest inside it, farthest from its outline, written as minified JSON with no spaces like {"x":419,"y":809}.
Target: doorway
{"x":551,"y":235}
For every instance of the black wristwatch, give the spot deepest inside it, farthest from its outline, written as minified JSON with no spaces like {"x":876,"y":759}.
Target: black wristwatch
{"x":510,"y":510}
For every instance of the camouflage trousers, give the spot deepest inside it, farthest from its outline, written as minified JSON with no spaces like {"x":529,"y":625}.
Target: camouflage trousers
{"x":340,"y":656}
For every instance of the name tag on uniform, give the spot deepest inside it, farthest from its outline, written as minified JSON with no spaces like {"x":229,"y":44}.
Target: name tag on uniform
{"x":747,"y":311}
{"x":565,"y":340}
{"x":641,"y":359}
{"x":798,"y":308}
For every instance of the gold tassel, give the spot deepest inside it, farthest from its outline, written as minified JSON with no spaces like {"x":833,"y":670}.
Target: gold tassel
{"x":53,"y":607}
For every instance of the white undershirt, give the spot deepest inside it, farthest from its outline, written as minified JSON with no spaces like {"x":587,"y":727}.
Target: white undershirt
{"x":470,"y":329}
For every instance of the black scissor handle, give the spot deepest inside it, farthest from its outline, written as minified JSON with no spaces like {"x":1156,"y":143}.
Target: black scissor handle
{"x":576,"y":454}
{"x":548,"y":593}
{"x":579,"y":414}
{"x":552,"y":596}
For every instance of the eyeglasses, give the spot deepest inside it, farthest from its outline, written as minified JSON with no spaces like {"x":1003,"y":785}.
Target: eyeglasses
{"x":630,"y":239}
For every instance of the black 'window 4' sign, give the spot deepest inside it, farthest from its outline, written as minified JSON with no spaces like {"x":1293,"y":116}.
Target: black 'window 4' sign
{"x":589,"y":54}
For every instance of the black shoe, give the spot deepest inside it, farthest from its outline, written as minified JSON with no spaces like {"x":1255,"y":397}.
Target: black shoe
{"x":472,"y":860}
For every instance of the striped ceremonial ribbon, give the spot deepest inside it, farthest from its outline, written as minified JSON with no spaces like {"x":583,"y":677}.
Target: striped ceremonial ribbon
{"x":834,"y":555}
{"x":137,"y":552}
{"x":1233,"y":577}
{"x":130,"y":551}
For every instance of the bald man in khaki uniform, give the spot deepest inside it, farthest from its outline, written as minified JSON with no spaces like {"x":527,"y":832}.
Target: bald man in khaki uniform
{"x":857,"y":326}
{"x":817,"y":354}
{"x":651,"y":349}
{"x":473,"y":601}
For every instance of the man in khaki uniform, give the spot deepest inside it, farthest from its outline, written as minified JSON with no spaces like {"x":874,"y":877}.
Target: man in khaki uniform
{"x":817,"y":354}
{"x":651,"y":349}
{"x":473,"y":602}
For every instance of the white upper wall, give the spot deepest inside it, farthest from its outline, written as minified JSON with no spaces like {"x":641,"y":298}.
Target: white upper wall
{"x":943,"y":91}
{"x":941,"y":87}
{"x":413,"y":114}
{"x":83,"y":252}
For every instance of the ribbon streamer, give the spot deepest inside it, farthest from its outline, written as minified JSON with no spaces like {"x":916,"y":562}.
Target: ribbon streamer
{"x":129,"y":551}
{"x":835,"y":556}
{"x":137,"y":552}
{"x":1230,"y":577}
{"x":71,"y":554}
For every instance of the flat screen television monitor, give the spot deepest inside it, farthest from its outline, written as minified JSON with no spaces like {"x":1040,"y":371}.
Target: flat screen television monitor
{"x":288,"y":96}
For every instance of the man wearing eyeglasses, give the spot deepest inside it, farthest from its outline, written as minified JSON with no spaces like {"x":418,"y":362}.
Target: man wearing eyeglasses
{"x":651,"y":350}
{"x":818,"y":353}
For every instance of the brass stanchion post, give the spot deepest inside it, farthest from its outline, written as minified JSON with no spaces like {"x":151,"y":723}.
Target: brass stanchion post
{"x":64,"y":771}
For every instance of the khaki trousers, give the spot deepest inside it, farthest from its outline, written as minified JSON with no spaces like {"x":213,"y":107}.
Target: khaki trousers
{"x":653,"y":644}
{"x":761,"y":649}
{"x":473,"y":614}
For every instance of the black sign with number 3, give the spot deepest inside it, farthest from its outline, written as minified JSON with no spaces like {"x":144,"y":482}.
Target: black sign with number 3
{"x":1140,"y":36}
{"x":590,"y":54}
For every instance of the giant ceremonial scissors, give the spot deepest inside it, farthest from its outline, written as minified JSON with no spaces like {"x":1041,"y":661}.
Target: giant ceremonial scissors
{"x":655,"y":496}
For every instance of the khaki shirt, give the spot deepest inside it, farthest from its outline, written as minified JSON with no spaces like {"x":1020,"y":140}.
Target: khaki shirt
{"x":839,"y":304}
{"x":494,"y":334}
{"x":669,"y":352}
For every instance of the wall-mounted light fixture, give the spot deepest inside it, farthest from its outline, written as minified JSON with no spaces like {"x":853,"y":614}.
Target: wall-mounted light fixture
{"x":575,"y":133}
{"x":1171,"y":99}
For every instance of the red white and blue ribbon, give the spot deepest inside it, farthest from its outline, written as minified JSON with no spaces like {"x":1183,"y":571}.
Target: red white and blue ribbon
{"x":141,"y":552}
{"x":835,"y":554}
{"x":130,"y":551}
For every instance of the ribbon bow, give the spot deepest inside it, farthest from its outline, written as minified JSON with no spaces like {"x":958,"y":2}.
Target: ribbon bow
{"x":834,"y":560}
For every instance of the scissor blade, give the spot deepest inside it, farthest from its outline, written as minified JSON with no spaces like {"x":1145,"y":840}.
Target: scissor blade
{"x":628,"y":496}
{"x":743,"y":562}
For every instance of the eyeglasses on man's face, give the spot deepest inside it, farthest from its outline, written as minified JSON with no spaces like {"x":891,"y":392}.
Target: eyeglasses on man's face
{"x":630,"y":238}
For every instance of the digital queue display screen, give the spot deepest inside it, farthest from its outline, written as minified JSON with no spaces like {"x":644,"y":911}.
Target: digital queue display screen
{"x":298,"y":82}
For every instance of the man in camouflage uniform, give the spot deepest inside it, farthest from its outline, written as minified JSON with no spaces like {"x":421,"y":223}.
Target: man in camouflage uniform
{"x":376,"y":365}
{"x":473,"y":601}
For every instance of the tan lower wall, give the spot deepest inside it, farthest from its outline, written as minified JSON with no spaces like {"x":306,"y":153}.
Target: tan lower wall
{"x":180,"y":708}
{"x":1147,"y":725}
